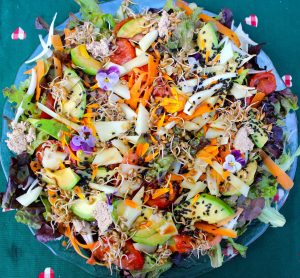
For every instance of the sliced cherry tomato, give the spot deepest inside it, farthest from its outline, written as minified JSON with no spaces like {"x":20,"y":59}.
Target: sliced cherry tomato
{"x":48,"y":144}
{"x":133,"y":260}
{"x":182,"y":243}
{"x":161,"y":202}
{"x":264,"y":82}
{"x":124,"y":53}
{"x":49,"y":102}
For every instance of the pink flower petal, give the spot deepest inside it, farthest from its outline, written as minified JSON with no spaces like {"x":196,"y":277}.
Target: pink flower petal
{"x":18,"y":34}
{"x":287,"y":79}
{"x":252,"y":20}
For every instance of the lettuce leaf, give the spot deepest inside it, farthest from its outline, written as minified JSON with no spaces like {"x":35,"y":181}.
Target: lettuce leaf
{"x":16,"y":94}
{"x":151,"y":269}
{"x":19,"y":174}
{"x":216,"y":256}
{"x":238,"y":247}
{"x":272,"y":216}
{"x":91,"y":11}
{"x":31,"y":216}
{"x":266,"y":187}
{"x":286,"y":159}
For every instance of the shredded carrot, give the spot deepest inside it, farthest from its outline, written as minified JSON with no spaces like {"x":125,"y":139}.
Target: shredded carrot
{"x":151,"y":156}
{"x":200,"y":110}
{"x":57,"y":66}
{"x":282,"y":178}
{"x":152,"y":70}
{"x":61,"y":165}
{"x":131,"y":80}
{"x":180,"y":4}
{"x":40,"y":71}
{"x":147,"y":95}
{"x":161,"y":121}
{"x":94,"y":171}
{"x":141,"y":149}
{"x":131,"y":203}
{"x":214,"y":141}
{"x":159,"y":192}
{"x":28,"y":71}
{"x":208,"y":153}
{"x":228,"y":219}
{"x":79,"y":192}
{"x":171,"y":189}
{"x":93,"y":105}
{"x":212,"y":229}
{"x":175,"y":177}
{"x":221,"y":28}
{"x":195,"y":198}
{"x":57,"y":43}
{"x":240,"y":70}
{"x":154,"y":141}
{"x":257,"y":99}
{"x":135,"y":92}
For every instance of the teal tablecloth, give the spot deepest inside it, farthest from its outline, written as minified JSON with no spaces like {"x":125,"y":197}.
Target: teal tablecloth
{"x":276,"y":254}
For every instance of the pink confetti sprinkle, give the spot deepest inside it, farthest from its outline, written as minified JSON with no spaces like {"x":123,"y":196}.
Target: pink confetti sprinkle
{"x":47,"y":273}
{"x":252,"y":20}
{"x":287,"y":79}
{"x":279,"y":195}
{"x":18,"y":34}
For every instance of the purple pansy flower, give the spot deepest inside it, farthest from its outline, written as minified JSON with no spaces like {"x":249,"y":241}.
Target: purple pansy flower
{"x":85,"y":141}
{"x":234,"y":161}
{"x":107,"y":79}
{"x":239,"y":157}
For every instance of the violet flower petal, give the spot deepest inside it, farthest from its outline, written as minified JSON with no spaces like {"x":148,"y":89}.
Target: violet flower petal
{"x":74,"y":147}
{"x":77,"y":140}
{"x":91,"y":141}
{"x":113,"y":69}
{"x":113,"y":78}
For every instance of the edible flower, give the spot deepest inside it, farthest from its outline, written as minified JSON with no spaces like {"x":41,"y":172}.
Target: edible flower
{"x":234,"y":161}
{"x":107,"y":79}
{"x":85,"y":141}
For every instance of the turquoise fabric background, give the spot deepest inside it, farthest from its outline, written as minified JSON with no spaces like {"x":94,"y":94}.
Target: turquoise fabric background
{"x":276,"y":253}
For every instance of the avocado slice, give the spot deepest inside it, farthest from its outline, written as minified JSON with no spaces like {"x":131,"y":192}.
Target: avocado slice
{"x":75,"y":105}
{"x":84,"y":208}
{"x":208,"y":39}
{"x":132,"y":28}
{"x":259,"y":136}
{"x":82,"y":59}
{"x":207,"y":208}
{"x":153,"y":229}
{"x":247,"y":174}
{"x":51,"y":127}
{"x":65,"y":178}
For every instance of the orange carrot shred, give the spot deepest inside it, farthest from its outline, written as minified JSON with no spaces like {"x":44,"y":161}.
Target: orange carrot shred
{"x":180,"y":4}
{"x":131,"y":203}
{"x":57,"y":43}
{"x":212,"y":229}
{"x":159,"y":192}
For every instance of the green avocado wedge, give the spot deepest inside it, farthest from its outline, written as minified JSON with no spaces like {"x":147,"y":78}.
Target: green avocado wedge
{"x":207,"y":208}
{"x":75,"y":105}
{"x":131,"y":28}
{"x":51,"y":127}
{"x":82,"y":59}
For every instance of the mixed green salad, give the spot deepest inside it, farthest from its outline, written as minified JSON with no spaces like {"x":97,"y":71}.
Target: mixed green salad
{"x":147,"y":138}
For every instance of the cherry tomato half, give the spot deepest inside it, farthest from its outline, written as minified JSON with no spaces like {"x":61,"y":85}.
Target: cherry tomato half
{"x":133,"y":260}
{"x":49,"y":102}
{"x":264,"y":82}
{"x":182,"y":243}
{"x":124,"y":53}
{"x":48,"y":144}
